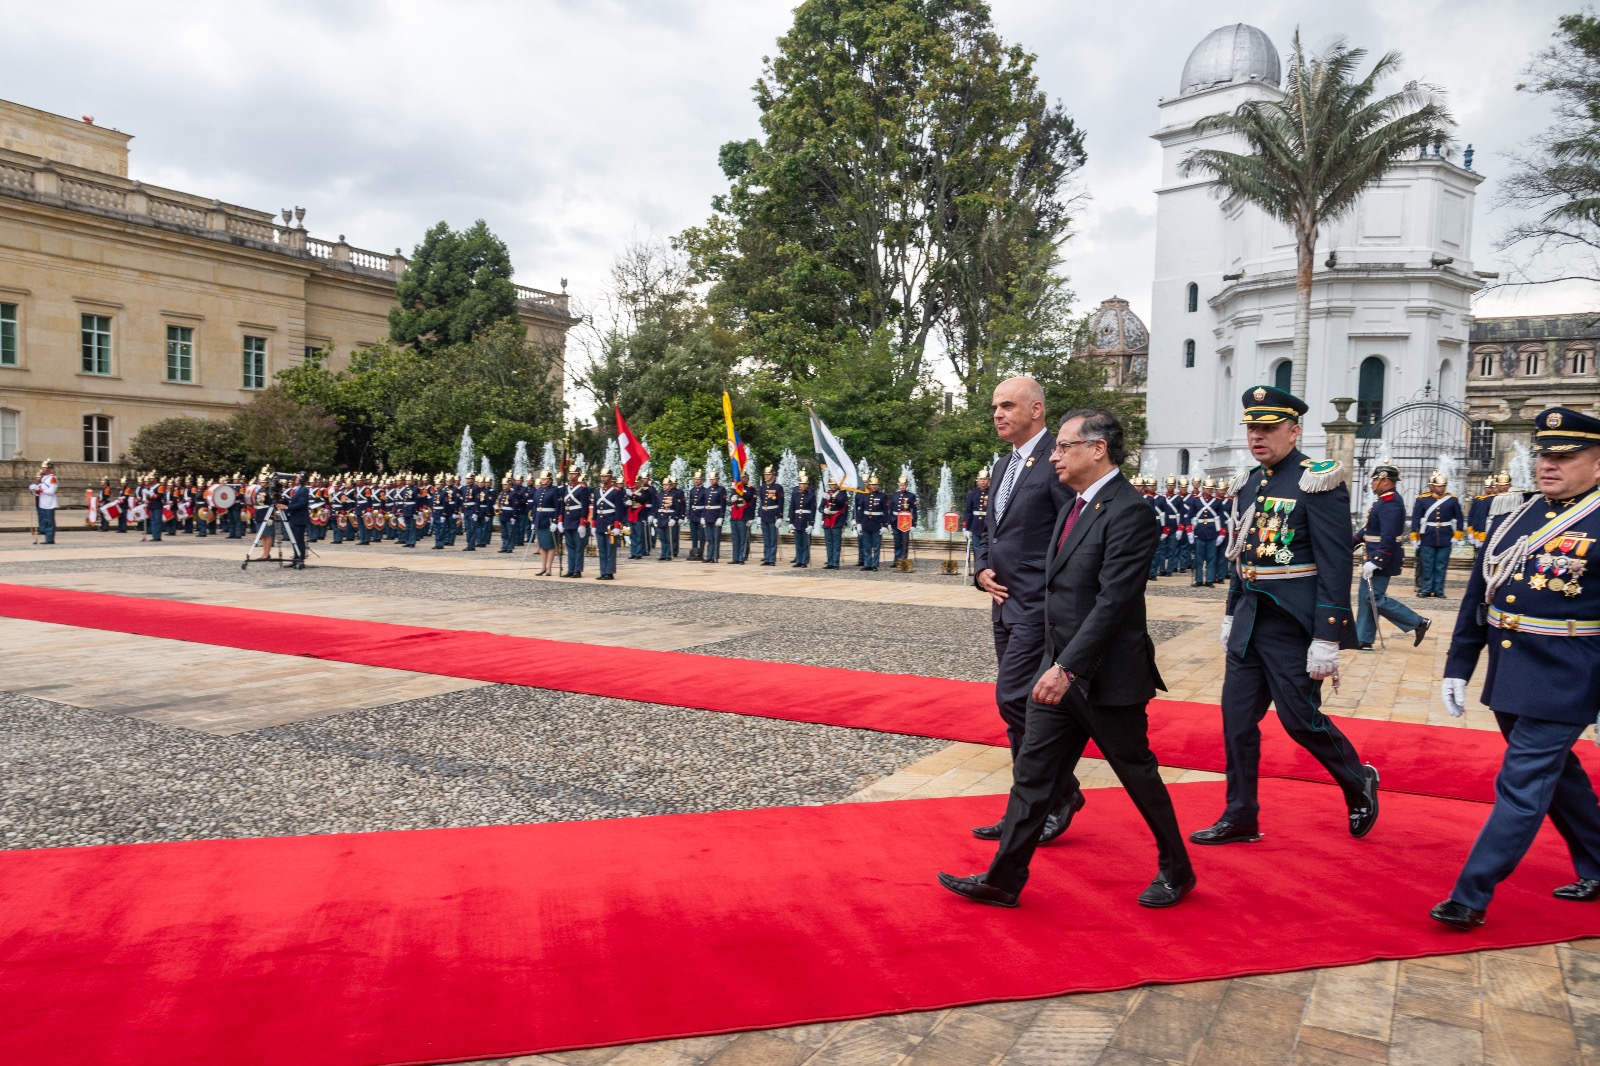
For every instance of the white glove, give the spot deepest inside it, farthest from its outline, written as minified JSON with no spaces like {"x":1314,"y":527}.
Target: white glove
{"x":583,"y":532}
{"x":1454,"y":692}
{"x":1191,"y":536}
{"x":674,"y":523}
{"x":1322,"y":659}
{"x":1227,"y":627}
{"x":1368,"y":568}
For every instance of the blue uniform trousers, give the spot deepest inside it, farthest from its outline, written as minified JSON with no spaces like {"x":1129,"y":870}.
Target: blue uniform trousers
{"x":1388,"y":607}
{"x":668,"y":536}
{"x":606,"y":546}
{"x":1539,"y":775}
{"x":574,"y":550}
{"x":711,"y":541}
{"x":871,"y":545}
{"x":902,"y":544}
{"x":508,"y":534}
{"x":47,"y":523}
{"x":1431,"y":565}
{"x":1185,"y":554}
{"x":153,"y":525}
{"x":441,"y":524}
{"x":802,"y":547}
{"x":639,"y":540}
{"x":1167,"y":554}
{"x":697,"y":540}
{"x":769,"y":542}
{"x":1205,"y":562}
{"x":833,"y":541}
{"x":741,"y":540}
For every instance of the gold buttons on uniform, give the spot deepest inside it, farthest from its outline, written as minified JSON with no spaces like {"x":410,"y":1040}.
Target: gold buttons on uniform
{"x":1332,"y":620}
{"x":1549,"y":514}
{"x":1505,"y":644}
{"x":1516,"y":577}
{"x":1511,"y":599}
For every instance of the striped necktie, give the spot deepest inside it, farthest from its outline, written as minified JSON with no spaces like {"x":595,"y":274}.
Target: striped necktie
{"x":1003,"y":497}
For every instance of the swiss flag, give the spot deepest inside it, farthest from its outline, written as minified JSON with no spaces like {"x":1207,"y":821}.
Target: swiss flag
{"x":632,"y":449}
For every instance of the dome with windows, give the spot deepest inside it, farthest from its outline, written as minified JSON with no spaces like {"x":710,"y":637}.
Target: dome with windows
{"x":1115,"y":330}
{"x":1231,"y":55}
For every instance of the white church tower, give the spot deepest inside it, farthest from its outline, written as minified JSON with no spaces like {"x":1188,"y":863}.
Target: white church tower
{"x":1390,"y":303}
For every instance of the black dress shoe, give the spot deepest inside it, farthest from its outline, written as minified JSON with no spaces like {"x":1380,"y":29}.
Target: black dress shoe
{"x":1225,"y":832}
{"x":1456,"y":915}
{"x":989,"y":832}
{"x":1364,"y":815}
{"x":1366,"y":646}
{"x":1584,"y":890}
{"x":1166,"y":893}
{"x":1061,"y":818}
{"x":977,"y":890}
{"x":1421,"y":631}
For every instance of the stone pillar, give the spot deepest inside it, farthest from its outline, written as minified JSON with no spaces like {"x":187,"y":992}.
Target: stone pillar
{"x":137,"y":202}
{"x":1341,"y":435}
{"x":341,"y":251}
{"x":217,"y":218}
{"x":46,"y":182}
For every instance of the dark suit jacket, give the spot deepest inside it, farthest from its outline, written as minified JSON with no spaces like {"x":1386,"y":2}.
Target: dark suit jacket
{"x":1094,"y":598}
{"x":1015,"y":547}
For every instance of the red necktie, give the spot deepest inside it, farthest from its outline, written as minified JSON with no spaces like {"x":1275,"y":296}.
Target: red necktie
{"x":1072,"y":518}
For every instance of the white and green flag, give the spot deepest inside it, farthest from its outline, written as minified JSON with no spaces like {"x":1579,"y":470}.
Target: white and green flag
{"x":836,"y":464}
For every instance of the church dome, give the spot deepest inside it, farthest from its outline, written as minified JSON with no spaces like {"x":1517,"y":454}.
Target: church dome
{"x":1115,"y":330}
{"x":1231,"y":55}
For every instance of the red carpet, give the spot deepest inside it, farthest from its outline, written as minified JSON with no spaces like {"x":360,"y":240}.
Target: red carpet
{"x":456,"y":944}
{"x":1428,"y":760}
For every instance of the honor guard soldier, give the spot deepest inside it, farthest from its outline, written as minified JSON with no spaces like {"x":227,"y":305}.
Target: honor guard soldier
{"x":1171,"y":528}
{"x":575,"y":502}
{"x":46,"y":489}
{"x":872,"y":513}
{"x":769,"y":509}
{"x":641,"y":509}
{"x":697,"y":507}
{"x":1208,"y":530}
{"x":670,"y":512}
{"x":410,"y":499}
{"x":802,"y":515}
{"x":610,"y":504}
{"x":509,"y":504}
{"x":1436,"y":524}
{"x":1185,"y":502}
{"x":1147,"y":489}
{"x":741,"y":508}
{"x":835,"y":510}
{"x":1381,"y":537}
{"x":545,"y":506}
{"x":1288,"y":615}
{"x":1478,"y":514}
{"x":902,"y":506}
{"x":1532,"y":602}
{"x":713,"y":510}
{"x":975,"y":516}
{"x":156,"y":505}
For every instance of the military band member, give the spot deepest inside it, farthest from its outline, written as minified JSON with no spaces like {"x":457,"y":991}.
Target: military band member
{"x":576,"y":499}
{"x":696,"y":501}
{"x":872,"y":513}
{"x":1381,"y":537}
{"x":410,"y":497}
{"x":835,"y":511}
{"x":802,"y":515}
{"x":741,"y":505}
{"x":904,"y":502}
{"x":1532,"y":602}
{"x":1208,"y":530}
{"x":670,"y":513}
{"x":976,"y":513}
{"x":769,"y":508}
{"x":46,"y":489}
{"x":1288,"y":614}
{"x":1436,"y":524}
{"x":156,"y":502}
{"x":610,"y":505}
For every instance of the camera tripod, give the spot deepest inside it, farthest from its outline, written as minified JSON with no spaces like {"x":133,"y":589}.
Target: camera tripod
{"x":270,"y":526}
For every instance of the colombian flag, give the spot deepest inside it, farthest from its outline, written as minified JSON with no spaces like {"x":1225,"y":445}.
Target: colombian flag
{"x":736,"y":450}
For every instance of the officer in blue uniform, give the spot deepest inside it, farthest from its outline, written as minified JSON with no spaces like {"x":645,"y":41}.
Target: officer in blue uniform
{"x":575,"y":501}
{"x":802,"y":515}
{"x":1171,"y":528}
{"x":642,"y":500}
{"x":407,"y":499}
{"x":1533,"y":603}
{"x":1208,"y":533}
{"x":696,"y":501}
{"x":769,"y":510}
{"x":741,"y":508}
{"x":834,"y":510}
{"x":544,"y":510}
{"x":713,"y":512}
{"x":1381,"y":537}
{"x":670,"y":512}
{"x":1436,"y":524}
{"x":1186,"y":503}
{"x":509,"y":504}
{"x":1288,"y":615}
{"x":904,"y":501}
{"x":1478,"y":515}
{"x":610,"y":505}
{"x":975,"y":515}
{"x":872,"y":513}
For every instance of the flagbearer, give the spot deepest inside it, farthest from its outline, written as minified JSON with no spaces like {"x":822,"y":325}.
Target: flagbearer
{"x":1436,"y":524}
{"x":641,"y":502}
{"x":835,"y":514}
{"x":904,"y":507}
{"x":769,"y":508}
{"x":741,"y":504}
{"x":1386,"y":523}
{"x":669,"y":512}
{"x":802,"y":513}
{"x":1532,"y":602}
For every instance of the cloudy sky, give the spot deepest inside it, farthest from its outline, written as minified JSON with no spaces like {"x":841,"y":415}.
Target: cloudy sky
{"x":571,"y":126}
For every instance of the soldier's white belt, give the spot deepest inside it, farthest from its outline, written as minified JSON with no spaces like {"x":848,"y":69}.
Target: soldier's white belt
{"x":1544,"y":627}
{"x":1371,"y":538}
{"x":1276,"y":573}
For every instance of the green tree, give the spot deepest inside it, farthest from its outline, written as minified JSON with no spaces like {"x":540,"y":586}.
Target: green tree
{"x":911,"y":179}
{"x":201,"y":446}
{"x":456,"y":286}
{"x":280,"y":431}
{"x":1312,"y":153}
{"x":1557,"y":174}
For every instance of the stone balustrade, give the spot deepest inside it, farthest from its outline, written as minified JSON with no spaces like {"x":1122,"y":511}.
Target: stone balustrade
{"x":17,"y":474}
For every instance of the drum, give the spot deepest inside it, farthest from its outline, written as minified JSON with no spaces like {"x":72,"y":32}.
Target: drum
{"x":223,"y":496}
{"x":343,"y":520}
{"x":205,"y":514}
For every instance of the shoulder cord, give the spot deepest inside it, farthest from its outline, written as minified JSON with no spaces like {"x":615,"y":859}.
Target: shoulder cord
{"x":1498,"y":566}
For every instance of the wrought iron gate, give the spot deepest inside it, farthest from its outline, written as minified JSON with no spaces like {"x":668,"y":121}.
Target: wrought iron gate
{"x":1419,"y":437}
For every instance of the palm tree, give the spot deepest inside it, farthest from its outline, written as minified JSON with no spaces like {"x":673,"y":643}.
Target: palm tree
{"x":1313,"y":152}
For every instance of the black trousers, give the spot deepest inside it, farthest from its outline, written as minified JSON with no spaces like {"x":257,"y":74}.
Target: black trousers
{"x":1018,"y":649}
{"x":1272,"y":672}
{"x":1054,"y":743}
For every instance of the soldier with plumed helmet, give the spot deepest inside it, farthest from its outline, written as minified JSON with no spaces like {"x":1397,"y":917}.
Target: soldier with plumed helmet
{"x":769,"y":510}
{"x":1380,"y":538}
{"x":1436,"y":524}
{"x":1533,"y":604}
{"x":802,"y":516}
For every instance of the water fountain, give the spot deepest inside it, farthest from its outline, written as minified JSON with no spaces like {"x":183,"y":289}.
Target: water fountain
{"x":862,"y":473}
{"x":788,"y":474}
{"x":613,"y":458}
{"x":714,"y":465}
{"x":484,"y":471}
{"x":548,"y":460}
{"x":519,"y":461}
{"x":679,"y":471}
{"x":1521,"y":468}
{"x":943,"y":501}
{"x":578,"y":462}
{"x":644,"y":470}
{"x":464,"y":456}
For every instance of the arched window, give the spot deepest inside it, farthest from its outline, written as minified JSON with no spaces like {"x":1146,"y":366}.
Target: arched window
{"x":1282,"y":374}
{"x":1188,"y":353}
{"x":1530,"y":362}
{"x":1194,"y":297}
{"x":1447,"y":380}
{"x":1369,"y":398}
{"x":1486,"y":364}
{"x":1183,"y":462}
{"x":1580,"y":361}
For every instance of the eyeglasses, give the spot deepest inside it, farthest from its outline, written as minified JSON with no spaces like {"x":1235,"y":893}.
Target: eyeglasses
{"x":1068,"y":445}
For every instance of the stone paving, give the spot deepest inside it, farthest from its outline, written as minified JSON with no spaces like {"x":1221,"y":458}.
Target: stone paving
{"x":1535,"y":1005}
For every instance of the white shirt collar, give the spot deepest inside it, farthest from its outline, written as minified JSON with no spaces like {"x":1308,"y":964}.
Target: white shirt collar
{"x":1027,"y":449}
{"x":1088,"y":494}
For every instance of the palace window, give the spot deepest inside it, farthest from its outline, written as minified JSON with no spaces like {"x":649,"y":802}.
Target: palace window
{"x":313,"y":355}
{"x":1194,"y":297}
{"x":1369,"y":398}
{"x":180,"y":354}
{"x":1486,"y":363}
{"x":1580,"y":361}
{"x":1183,"y":462}
{"x":1188,"y":353}
{"x":96,"y":439}
{"x":1481,"y":449}
{"x":255,"y":362}
{"x":1530,"y":362}
{"x":8,"y":334}
{"x":95,"y":333}
{"x":8,"y":434}
{"x":1282,"y":374}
